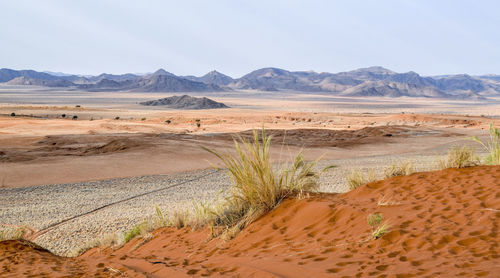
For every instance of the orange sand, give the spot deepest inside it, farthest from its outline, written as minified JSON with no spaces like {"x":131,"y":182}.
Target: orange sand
{"x":444,"y":224}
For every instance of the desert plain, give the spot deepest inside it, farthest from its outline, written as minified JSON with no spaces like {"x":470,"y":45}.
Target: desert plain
{"x":71,"y":180}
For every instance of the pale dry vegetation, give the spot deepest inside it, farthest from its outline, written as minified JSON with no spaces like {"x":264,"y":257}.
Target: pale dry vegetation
{"x":357,"y":178}
{"x":13,"y":232}
{"x":402,"y":168}
{"x":492,"y":147}
{"x":459,"y":157}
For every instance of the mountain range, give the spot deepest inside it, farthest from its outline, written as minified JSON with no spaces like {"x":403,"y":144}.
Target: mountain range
{"x":365,"y":82}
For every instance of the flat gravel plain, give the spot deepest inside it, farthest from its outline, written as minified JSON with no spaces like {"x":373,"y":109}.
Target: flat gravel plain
{"x":40,"y":206}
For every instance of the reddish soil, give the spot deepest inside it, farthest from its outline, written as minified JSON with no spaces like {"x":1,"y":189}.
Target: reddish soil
{"x":444,"y":224}
{"x":319,"y":138}
{"x":99,"y":144}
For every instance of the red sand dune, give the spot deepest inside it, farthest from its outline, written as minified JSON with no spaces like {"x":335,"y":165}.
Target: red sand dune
{"x":444,"y":224}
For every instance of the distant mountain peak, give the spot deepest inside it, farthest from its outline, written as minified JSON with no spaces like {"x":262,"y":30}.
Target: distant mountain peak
{"x":162,"y":72}
{"x":214,"y":72}
{"x":215,"y":77}
{"x":375,"y":69}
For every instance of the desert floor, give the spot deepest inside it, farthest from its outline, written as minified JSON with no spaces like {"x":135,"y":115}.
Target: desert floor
{"x":54,"y":168}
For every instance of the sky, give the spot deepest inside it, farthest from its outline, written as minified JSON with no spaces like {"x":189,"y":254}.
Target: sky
{"x":235,"y":37}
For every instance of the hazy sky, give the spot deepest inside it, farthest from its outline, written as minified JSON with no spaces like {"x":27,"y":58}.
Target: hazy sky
{"x":235,"y":37}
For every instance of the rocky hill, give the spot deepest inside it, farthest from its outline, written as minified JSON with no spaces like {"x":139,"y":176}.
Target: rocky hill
{"x":167,"y":83}
{"x":186,"y":102}
{"x":394,"y":89}
{"x":22,"y":80}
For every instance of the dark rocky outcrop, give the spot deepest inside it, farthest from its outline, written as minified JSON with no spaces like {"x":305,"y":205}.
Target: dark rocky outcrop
{"x":185,"y":102}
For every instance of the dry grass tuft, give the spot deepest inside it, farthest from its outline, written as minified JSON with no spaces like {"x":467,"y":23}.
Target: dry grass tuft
{"x":179,"y":219}
{"x":381,"y":230}
{"x":460,"y":157}
{"x":404,"y":168}
{"x":384,"y":202}
{"x":492,"y":147}
{"x":357,"y":178}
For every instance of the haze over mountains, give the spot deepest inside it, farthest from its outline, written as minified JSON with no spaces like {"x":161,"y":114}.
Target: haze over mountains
{"x":365,"y":82}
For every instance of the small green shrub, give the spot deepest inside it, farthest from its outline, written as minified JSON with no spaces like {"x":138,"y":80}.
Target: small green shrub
{"x":492,"y":147}
{"x":134,"y":232}
{"x":143,"y":119}
{"x":75,"y":117}
{"x":63,"y":116}
{"x":168,"y":121}
{"x":374,"y":219}
{"x":12,"y":114}
{"x":117,"y":118}
{"x":138,"y":230}
{"x":198,"y":125}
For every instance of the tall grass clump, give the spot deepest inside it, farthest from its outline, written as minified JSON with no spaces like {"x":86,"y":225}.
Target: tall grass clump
{"x":258,"y":187}
{"x":404,"y":168}
{"x":460,"y":157}
{"x":492,"y":147}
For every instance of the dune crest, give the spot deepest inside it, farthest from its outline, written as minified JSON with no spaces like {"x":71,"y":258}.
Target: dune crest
{"x":442,"y":223}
